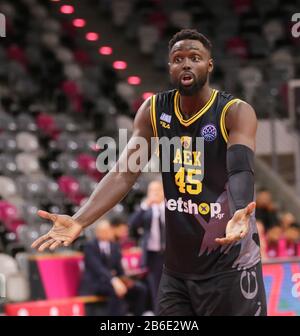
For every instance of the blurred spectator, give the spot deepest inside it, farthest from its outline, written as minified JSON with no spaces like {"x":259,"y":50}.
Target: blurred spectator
{"x":121,"y":232}
{"x":148,"y":225}
{"x":266,"y":210}
{"x":290,"y":228}
{"x":273,"y":235}
{"x":283,"y":239}
{"x":104,"y":275}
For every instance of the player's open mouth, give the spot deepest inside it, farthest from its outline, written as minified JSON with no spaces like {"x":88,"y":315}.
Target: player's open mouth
{"x":187,"y":79}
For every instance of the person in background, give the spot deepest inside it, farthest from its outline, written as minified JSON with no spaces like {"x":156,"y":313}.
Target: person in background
{"x":120,"y":229}
{"x":148,"y":225}
{"x":266,"y":210}
{"x":104,"y":275}
{"x":290,"y":233}
{"x":282,"y":239}
{"x":290,"y":228}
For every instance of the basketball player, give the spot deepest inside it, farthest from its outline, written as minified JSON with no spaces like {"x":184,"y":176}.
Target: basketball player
{"x":212,"y":259}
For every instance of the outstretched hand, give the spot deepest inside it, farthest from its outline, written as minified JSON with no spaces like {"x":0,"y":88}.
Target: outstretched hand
{"x":238,"y":226}
{"x":64,"y":231}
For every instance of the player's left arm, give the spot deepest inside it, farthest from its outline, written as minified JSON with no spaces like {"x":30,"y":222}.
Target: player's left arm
{"x":241,"y":123}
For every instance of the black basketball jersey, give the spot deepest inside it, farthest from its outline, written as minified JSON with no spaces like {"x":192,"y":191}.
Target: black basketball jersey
{"x":197,"y":209}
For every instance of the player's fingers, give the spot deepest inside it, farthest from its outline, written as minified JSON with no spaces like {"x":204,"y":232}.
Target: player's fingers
{"x":227,"y":240}
{"x":55,"y":245}
{"x":47,"y":215}
{"x":46,"y":245}
{"x":67,"y":242}
{"x":243,"y":234}
{"x":250,"y":208}
{"x":223,"y":241}
{"x":40,"y":240}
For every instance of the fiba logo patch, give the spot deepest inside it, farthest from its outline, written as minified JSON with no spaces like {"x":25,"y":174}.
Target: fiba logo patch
{"x":209,"y":132}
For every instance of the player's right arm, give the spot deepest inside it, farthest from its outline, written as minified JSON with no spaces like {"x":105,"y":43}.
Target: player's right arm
{"x":109,"y":191}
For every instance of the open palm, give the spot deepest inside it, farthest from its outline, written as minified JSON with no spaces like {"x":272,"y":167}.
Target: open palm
{"x":64,"y":231}
{"x":238,"y":227}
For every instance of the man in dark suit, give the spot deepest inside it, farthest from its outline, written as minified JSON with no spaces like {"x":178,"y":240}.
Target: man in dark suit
{"x":148,"y":225}
{"x":104,"y":275}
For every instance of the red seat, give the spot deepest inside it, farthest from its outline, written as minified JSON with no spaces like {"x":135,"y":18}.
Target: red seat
{"x":70,"y":187}
{"x":14,"y":52}
{"x":82,"y":57}
{"x":241,"y":6}
{"x":46,"y":123}
{"x":14,"y":224}
{"x":238,"y":47}
{"x":87,"y":163}
{"x":72,"y":91}
{"x":8,"y":212}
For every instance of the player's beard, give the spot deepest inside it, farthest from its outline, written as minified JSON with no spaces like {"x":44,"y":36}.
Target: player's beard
{"x":192,"y":89}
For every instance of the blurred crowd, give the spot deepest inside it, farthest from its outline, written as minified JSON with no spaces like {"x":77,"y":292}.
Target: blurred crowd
{"x":254,"y":51}
{"x":129,"y":289}
{"x":278,"y":230}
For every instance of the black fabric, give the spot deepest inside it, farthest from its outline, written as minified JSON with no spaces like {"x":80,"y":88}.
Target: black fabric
{"x":37,"y":287}
{"x":140,"y":226}
{"x":269,"y":218}
{"x":240,"y":168}
{"x":239,"y":158}
{"x":237,"y":293}
{"x":155,"y":266}
{"x":96,"y":280}
{"x":99,"y":269}
{"x":184,"y":234}
{"x":196,"y":189}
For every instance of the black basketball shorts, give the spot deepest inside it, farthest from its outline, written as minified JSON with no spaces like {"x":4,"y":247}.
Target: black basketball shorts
{"x":236,"y":293}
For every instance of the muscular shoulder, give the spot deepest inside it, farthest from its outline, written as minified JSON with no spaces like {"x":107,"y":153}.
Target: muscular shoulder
{"x":241,"y":123}
{"x":240,"y":114}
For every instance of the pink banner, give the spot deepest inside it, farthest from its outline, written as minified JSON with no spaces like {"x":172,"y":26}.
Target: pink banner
{"x":60,"y":276}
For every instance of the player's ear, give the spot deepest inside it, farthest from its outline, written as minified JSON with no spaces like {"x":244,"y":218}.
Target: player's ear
{"x":210,"y":65}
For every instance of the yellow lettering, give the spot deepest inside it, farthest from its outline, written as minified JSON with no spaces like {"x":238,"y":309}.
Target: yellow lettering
{"x":187,"y":157}
{"x":196,"y":156}
{"x":195,"y":186}
{"x":180,"y":180}
{"x":165,"y":125}
{"x":178,"y":157}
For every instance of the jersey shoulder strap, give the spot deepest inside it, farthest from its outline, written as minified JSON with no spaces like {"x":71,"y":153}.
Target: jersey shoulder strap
{"x":225,"y":101}
{"x":161,"y":103}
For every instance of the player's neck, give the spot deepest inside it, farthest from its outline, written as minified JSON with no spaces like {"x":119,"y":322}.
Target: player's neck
{"x":189,"y":105}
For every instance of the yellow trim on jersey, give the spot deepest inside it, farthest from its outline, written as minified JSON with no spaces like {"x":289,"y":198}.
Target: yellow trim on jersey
{"x":188,"y":122}
{"x":153,"y":116}
{"x":153,"y":120}
{"x":223,"y":115}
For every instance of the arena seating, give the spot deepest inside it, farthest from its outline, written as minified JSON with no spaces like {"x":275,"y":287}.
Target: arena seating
{"x":245,"y":34}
